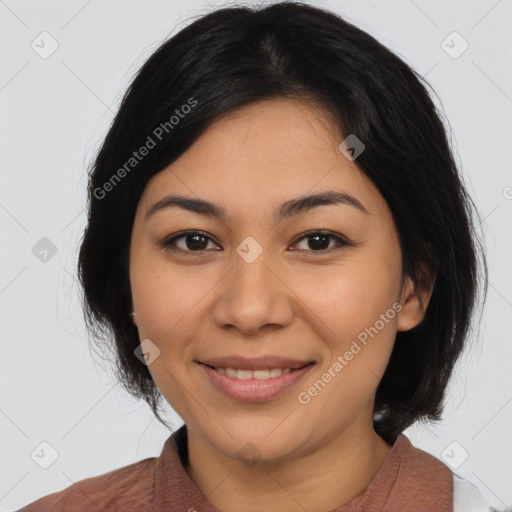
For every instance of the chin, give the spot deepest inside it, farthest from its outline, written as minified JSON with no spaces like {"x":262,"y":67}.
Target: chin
{"x":267,"y":439}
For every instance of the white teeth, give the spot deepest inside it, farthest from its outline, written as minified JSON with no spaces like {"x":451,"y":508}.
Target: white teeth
{"x":231,"y":373}
{"x":253,"y":374}
{"x":244,"y":374}
{"x":265,"y":374}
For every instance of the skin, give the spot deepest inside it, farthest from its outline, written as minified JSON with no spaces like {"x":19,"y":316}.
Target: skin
{"x":301,"y":304}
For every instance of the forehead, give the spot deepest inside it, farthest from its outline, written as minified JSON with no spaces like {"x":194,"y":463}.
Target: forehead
{"x":271,"y":150}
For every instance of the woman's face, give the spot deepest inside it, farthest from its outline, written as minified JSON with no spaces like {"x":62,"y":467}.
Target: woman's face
{"x":261,"y":283}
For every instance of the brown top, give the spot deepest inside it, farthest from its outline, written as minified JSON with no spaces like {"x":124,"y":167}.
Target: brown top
{"x":410,"y":480}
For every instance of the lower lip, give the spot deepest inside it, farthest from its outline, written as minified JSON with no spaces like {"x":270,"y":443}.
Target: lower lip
{"x":254,"y":390}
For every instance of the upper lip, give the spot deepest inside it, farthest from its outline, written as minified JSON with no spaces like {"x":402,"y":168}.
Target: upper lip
{"x":255,"y":363}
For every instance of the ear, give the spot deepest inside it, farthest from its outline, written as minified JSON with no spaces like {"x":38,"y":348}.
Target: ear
{"x":415,"y":302}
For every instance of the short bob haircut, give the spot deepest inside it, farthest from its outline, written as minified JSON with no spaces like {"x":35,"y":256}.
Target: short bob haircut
{"x":235,"y":56}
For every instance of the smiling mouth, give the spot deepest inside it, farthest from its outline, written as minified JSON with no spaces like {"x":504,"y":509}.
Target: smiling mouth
{"x":259,"y":374}
{"x":255,"y":385}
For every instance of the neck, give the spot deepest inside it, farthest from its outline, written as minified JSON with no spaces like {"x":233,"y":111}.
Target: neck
{"x":344,"y":464}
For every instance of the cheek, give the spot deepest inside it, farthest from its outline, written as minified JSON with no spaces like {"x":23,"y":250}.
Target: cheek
{"x":355,"y":303}
{"x":163,"y":294}
{"x":352,"y":296}
{"x":167,"y":299}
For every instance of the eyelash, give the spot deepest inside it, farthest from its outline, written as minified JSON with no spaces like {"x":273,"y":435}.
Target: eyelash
{"x":169,"y":243}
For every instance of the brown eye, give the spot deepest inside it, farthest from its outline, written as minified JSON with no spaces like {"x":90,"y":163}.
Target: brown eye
{"x":319,"y":241}
{"x":191,"y":241}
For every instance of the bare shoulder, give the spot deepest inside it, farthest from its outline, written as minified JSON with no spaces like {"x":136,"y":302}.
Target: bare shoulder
{"x":116,"y":490}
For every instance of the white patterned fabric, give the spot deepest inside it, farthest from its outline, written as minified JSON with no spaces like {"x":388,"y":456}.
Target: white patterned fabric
{"x":468,"y":498}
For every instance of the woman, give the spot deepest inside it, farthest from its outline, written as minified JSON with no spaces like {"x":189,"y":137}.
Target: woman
{"x":282,"y":247}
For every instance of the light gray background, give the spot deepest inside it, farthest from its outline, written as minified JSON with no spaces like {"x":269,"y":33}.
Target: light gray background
{"x":55,"y":112}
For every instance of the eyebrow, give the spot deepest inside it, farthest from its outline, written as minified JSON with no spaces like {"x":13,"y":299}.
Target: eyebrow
{"x":288,"y":209}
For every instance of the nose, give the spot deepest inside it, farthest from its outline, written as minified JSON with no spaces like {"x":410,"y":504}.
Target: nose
{"x":253,"y":297}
